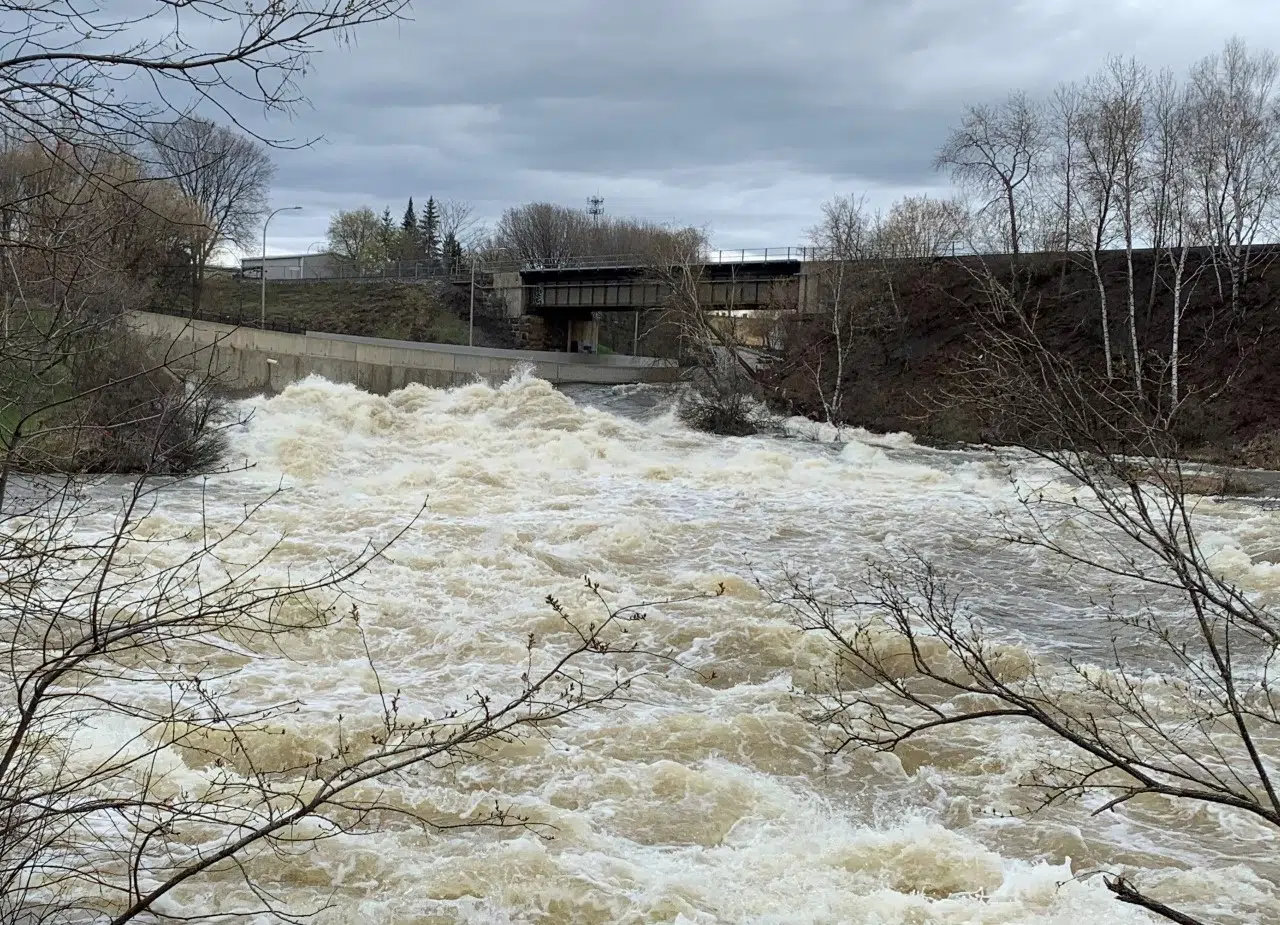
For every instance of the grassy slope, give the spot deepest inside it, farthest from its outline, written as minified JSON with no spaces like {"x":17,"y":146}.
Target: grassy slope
{"x":380,"y":309}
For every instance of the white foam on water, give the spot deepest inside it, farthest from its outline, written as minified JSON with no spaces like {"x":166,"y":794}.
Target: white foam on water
{"x":704,"y":801}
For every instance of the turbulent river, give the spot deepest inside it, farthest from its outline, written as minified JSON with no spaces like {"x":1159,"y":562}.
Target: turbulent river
{"x":707,"y":797}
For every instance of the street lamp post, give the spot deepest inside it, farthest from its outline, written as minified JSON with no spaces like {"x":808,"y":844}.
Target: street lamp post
{"x":471,"y":319}
{"x":262,"y":315}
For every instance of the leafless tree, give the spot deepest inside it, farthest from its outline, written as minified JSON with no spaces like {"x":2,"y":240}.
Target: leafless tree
{"x":1234,"y":136}
{"x":76,"y":392}
{"x":68,"y":76}
{"x":623,"y":235}
{"x":458,"y":218}
{"x":1175,"y":225}
{"x":93,"y":82}
{"x":63,"y":66}
{"x":1063,"y":116}
{"x":544,"y":233}
{"x":226,"y":175}
{"x":540,"y":232}
{"x":1168,"y":156}
{"x":995,"y":151}
{"x":921,"y":228}
{"x":1119,"y":99}
{"x":1102,"y":153}
{"x":87,"y":209}
{"x":1131,"y":161}
{"x":848,"y":303}
{"x":849,"y":309}
{"x":723,"y":393}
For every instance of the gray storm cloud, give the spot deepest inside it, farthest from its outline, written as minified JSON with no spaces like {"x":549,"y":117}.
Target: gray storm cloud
{"x":743,"y":116}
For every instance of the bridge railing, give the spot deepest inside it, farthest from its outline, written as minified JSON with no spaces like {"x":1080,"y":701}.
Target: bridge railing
{"x":611,"y":261}
{"x":762,"y":254}
{"x":424,"y":271}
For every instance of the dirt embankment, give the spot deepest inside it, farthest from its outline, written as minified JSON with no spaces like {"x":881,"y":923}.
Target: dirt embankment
{"x":904,"y":374}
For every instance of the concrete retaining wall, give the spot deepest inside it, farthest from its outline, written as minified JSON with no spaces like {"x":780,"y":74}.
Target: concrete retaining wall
{"x":253,"y":359}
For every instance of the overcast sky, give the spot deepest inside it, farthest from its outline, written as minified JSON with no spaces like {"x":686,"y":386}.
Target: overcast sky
{"x":739,"y":115}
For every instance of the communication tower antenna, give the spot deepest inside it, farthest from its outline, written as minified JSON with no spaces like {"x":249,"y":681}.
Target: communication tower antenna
{"x":595,"y":206}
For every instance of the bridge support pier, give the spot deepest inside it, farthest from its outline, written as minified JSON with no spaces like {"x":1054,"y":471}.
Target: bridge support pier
{"x":581,"y":332}
{"x":809,"y":283}
{"x":567,"y":333}
{"x":510,"y":288}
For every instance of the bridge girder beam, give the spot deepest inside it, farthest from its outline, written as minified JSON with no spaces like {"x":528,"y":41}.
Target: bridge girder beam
{"x":633,"y":295}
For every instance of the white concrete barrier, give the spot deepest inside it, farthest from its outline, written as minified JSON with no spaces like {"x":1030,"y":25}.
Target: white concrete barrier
{"x":250,"y":358}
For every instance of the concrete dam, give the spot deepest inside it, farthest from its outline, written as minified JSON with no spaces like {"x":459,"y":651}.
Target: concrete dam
{"x":249,"y":358}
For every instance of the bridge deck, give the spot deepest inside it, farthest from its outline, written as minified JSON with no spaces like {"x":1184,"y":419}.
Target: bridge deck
{"x":746,"y":285}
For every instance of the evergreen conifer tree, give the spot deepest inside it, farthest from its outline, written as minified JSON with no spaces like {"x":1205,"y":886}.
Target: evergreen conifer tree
{"x":451,"y":252}
{"x":410,"y":246}
{"x":429,"y":229}
{"x":388,"y":236}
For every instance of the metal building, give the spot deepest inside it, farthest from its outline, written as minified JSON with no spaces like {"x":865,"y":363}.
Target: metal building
{"x":291,"y":266}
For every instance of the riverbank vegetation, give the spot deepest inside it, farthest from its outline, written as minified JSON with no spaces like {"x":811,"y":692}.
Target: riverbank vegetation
{"x":88,"y":236}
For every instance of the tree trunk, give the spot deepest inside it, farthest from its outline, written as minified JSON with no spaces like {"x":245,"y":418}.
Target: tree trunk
{"x":1158,"y":232}
{"x":1102,"y":307}
{"x":1133,"y":320}
{"x":1066,"y":221}
{"x":837,"y":324}
{"x":1235,"y":287}
{"x":1179,"y":271}
{"x":1013,"y":222}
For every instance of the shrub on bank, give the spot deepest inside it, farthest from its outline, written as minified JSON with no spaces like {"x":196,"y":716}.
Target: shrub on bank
{"x":722,"y":400}
{"x":114,"y":411}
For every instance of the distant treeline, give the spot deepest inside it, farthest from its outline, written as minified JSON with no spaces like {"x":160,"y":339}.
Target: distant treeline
{"x":448,"y":232}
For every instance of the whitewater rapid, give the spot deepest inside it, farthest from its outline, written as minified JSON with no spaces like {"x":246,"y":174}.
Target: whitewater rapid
{"x":707,"y":798}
